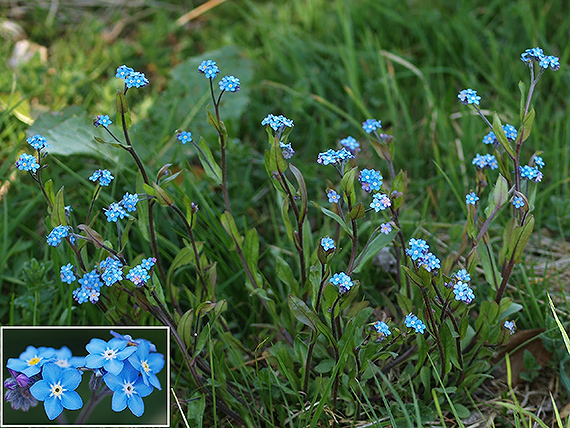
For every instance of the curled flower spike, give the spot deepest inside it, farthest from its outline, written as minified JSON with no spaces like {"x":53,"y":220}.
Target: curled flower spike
{"x":343,"y":281}
{"x":468,"y":96}
{"x":27,"y":162}
{"x":332,"y":157}
{"x":38,"y":142}
{"x":66,"y":273}
{"x":103,"y":176}
{"x":370,"y":179}
{"x":485,"y":161}
{"x":463,"y":292}
{"x":380,"y":202}
{"x":351,"y":144}
{"x":277,"y":123}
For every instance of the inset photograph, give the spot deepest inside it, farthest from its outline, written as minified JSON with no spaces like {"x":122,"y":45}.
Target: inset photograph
{"x":85,"y":376}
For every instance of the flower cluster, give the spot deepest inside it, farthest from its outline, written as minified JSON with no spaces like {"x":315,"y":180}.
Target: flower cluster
{"x":469,"y":96}
{"x":277,"y":123}
{"x":414,"y":322}
{"x":334,"y":197}
{"x":27,"y":162}
{"x":333,"y":157}
{"x":380,"y":202}
{"x":139,"y":274}
{"x":120,"y":210}
{"x":510,"y":326}
{"x":371,"y":125}
{"x":128,"y":368}
{"x":131,"y":77}
{"x":209,"y":69}
{"x":351,"y":144}
{"x":382,"y":329}
{"x":67,"y":274}
{"x":485,"y":161}
{"x":532,"y":173}
{"x":343,"y":281}
{"x":463,"y":292}
{"x":102,"y":176}
{"x":370,"y":180}
{"x":544,"y":61}
{"x":57,"y":234}
{"x":419,"y":252}
{"x":38,"y":142}
{"x":90,"y":288}
{"x":111,"y":270}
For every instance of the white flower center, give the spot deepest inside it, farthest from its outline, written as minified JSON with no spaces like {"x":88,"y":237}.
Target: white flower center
{"x":145,"y":366}
{"x":128,"y":388}
{"x":109,"y":354}
{"x":57,"y":390}
{"x":63,"y":363}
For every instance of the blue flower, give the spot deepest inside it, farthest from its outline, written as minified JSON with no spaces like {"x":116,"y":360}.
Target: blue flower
{"x":38,"y":142}
{"x":147,"y":363}
{"x":351,"y":144}
{"x":518,"y":202}
{"x":67,"y":274}
{"x":382,"y":328}
{"x":463,"y":292}
{"x":539,"y":162}
{"x":334,"y":156}
{"x":128,"y":389}
{"x":418,"y":248}
{"x":532,"y":54}
{"x":371,"y":125}
{"x":370,"y":179}
{"x":57,"y":234}
{"x":462,"y":275}
{"x":108,"y":355}
{"x":115,"y":212}
{"x":27,"y":162}
{"x":103,"y":176}
{"x":208,"y":68}
{"x":468,"y":96}
{"x":184,"y":136}
{"x":529,"y":172}
{"x":380,"y":202}
{"x":123,"y":71}
{"x":148,"y":263}
{"x":334,"y":197}
{"x":327,"y":243}
{"x":429,"y":261}
{"x":471,"y":198}
{"x":136,"y":79}
{"x":510,"y":325}
{"x":343,"y":281}
{"x":510,"y":132}
{"x":102,"y":120}
{"x":138,"y":275}
{"x":490,"y":138}
{"x":57,"y":390}
{"x":131,"y":341}
{"x":129,"y":201}
{"x":112,"y":275}
{"x":385,"y":228}
{"x":90,"y":285}
{"x":229,"y":84}
{"x":31,"y":360}
{"x":277,"y":123}
{"x":414,"y":322}
{"x":65,"y":359}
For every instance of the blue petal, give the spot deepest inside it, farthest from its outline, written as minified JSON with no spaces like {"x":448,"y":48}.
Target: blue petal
{"x":52,"y":373}
{"x":154,"y":381}
{"x":40,"y":390}
{"x":96,"y":346}
{"x":53,"y":407}
{"x":113,"y":366}
{"x":113,"y":382}
{"x":119,"y":401}
{"x":94,"y":361}
{"x":143,"y":389}
{"x":156,"y":362}
{"x":17,"y":365}
{"x":71,"y":379}
{"x":126,"y":353}
{"x":136,"y":404}
{"x":71,"y":400}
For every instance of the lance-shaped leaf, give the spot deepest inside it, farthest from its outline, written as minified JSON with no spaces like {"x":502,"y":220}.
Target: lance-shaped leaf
{"x":213,"y":120}
{"x":110,"y":143}
{"x":184,"y":328}
{"x":162,"y":196}
{"x":499,"y":196}
{"x":372,"y":247}
{"x":522,"y":90}
{"x":277,"y":162}
{"x":302,"y":189}
{"x":48,"y":186}
{"x":229,"y":225}
{"x":302,"y":312}
{"x":519,"y":239}
{"x":347,"y":186}
{"x":58,"y":213}
{"x":91,"y":235}
{"x":123,"y":111}
{"x":500,"y":134}
{"x":211,"y":168}
{"x":399,"y":186}
{"x":184,"y":257}
{"x":335,"y":217}
{"x":251,"y":249}
{"x":357,"y":212}
{"x":527,"y":124}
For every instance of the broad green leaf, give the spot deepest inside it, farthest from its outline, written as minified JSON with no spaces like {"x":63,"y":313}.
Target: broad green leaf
{"x":492,"y":275}
{"x":499,"y":196}
{"x":357,"y":212}
{"x":48,"y":186}
{"x":184,"y":257}
{"x":162,"y":196}
{"x":251,"y":249}
{"x":399,"y":185}
{"x":373,"y":247}
{"x":229,"y":225}
{"x":286,"y":275}
{"x":58,"y":213}
{"x":302,"y":312}
{"x":335,"y":217}
{"x":527,"y":124}
{"x":16,"y":104}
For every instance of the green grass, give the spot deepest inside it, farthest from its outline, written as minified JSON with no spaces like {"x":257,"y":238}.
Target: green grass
{"x":328,"y":65}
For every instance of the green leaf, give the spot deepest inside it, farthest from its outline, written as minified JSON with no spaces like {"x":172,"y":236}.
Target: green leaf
{"x":448,"y":344}
{"x":302,"y":188}
{"x":286,"y":275}
{"x":123,"y":111}
{"x":277,"y":161}
{"x":302,"y":312}
{"x":251,"y":249}
{"x":184,"y":257}
{"x":492,"y":275}
{"x":287,"y":221}
{"x":527,"y":124}
{"x":211,"y":168}
{"x":522,"y":90}
{"x":399,"y":185}
{"x":520,"y":238}
{"x":499,"y":196}
{"x":16,"y":104}
{"x":335,"y":217}
{"x":58,"y":213}
{"x":347,"y":186}
{"x":48,"y":186}
{"x":357,"y":212}
{"x":162,"y":196}
{"x":373,"y":247}
{"x":500,"y":134}
{"x":229,"y":225}
{"x":91,"y":235}
{"x":184,"y":328}
{"x":213,"y":120}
